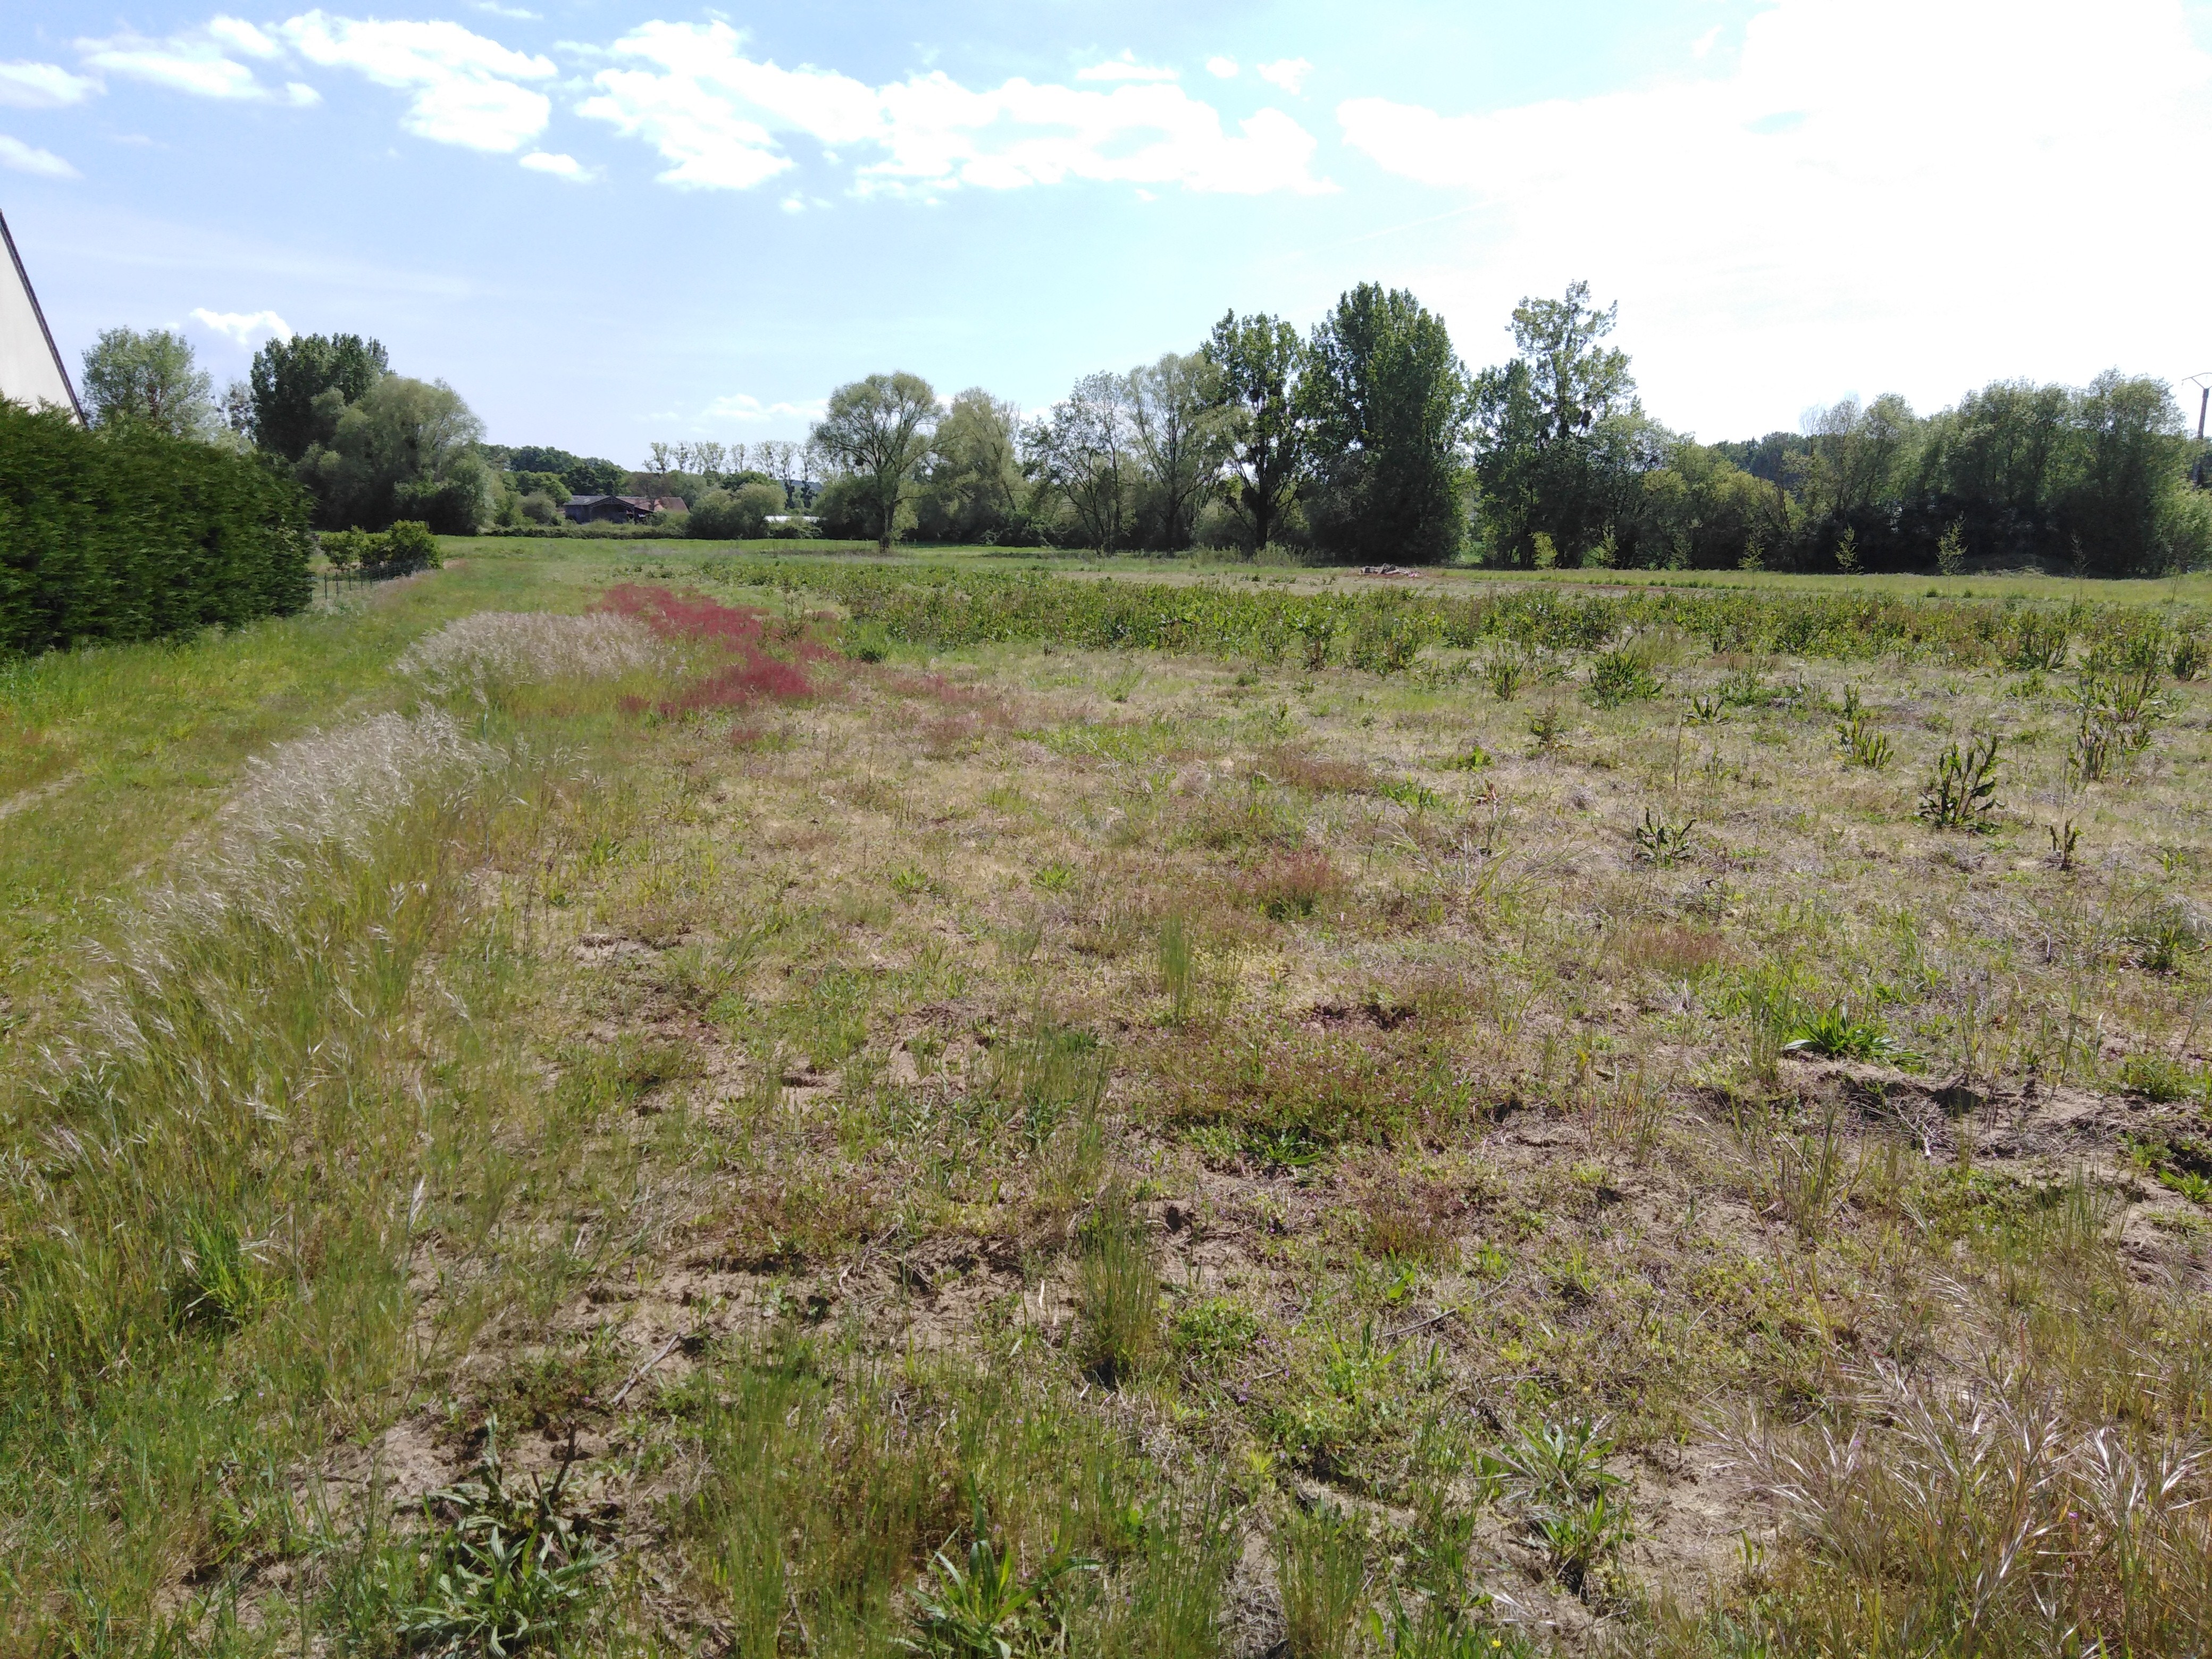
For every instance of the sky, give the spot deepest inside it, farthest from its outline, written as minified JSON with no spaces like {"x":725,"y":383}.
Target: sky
{"x":612,"y":221}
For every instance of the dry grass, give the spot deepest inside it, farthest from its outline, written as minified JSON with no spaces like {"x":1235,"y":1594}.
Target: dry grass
{"x":1225,"y":1139}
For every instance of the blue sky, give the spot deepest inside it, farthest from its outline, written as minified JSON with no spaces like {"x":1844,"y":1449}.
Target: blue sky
{"x":614,"y":220}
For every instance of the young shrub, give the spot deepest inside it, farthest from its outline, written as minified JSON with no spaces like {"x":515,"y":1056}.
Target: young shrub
{"x":410,"y":545}
{"x":1117,"y":1293}
{"x":1961,"y":789}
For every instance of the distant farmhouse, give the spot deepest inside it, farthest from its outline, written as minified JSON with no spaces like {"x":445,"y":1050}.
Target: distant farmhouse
{"x":619,"y":509}
{"x":31,"y":369}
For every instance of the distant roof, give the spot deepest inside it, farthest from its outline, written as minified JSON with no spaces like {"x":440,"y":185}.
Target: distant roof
{"x":31,"y":367}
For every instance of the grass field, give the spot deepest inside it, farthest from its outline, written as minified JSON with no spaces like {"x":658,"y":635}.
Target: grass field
{"x":649,"y":1097}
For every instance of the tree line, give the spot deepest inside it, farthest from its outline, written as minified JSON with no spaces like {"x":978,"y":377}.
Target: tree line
{"x":1367,"y":440}
{"x":1364,"y":439}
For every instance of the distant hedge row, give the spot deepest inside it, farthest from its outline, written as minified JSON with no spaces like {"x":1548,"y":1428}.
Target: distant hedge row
{"x":130,"y":535}
{"x":1385,"y":629}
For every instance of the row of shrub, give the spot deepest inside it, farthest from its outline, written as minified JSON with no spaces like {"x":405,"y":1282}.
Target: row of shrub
{"x":1385,"y":631}
{"x":130,"y":534}
{"x":408,"y":545}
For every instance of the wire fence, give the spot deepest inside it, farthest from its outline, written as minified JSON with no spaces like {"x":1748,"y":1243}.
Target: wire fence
{"x":338,"y":581}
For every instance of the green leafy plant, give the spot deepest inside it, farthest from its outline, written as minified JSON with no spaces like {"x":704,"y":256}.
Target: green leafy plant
{"x":1661,"y":841}
{"x":984,"y":1608}
{"x":1705,"y":709}
{"x":1555,"y":1473}
{"x":1836,"y":1033}
{"x":511,"y":1568}
{"x":1620,"y":676}
{"x":1961,"y":789}
{"x":2119,"y":709}
{"x":1547,"y":726}
{"x":1863,"y":744}
{"x":1503,"y":673}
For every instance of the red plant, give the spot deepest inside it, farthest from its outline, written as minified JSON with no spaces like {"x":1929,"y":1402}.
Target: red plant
{"x":753,"y":674}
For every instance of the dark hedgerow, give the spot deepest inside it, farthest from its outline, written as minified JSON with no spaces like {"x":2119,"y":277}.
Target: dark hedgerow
{"x":136,"y":536}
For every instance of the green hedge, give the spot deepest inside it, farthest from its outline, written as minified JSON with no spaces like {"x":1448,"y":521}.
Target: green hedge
{"x":130,"y":535}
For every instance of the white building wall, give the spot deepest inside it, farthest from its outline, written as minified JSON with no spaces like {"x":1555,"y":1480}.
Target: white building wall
{"x":30,"y":368}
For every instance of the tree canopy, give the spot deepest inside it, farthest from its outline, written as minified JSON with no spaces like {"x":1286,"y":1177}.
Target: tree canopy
{"x":878,"y":429}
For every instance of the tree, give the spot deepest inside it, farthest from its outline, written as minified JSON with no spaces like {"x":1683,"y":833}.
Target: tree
{"x":1574,"y":382}
{"x":730,"y":514}
{"x":1258,"y":360}
{"x":1561,"y":440}
{"x":878,"y":430}
{"x":1175,"y":410}
{"x":1386,"y":404}
{"x":149,"y":380}
{"x":973,"y":488}
{"x":301,"y":385}
{"x":1085,"y":446}
{"x":405,"y":449}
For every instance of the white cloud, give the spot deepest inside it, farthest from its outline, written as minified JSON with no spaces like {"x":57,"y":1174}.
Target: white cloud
{"x":195,"y":62}
{"x":1124,"y":68}
{"x":740,"y":407}
{"x":1222,"y":67}
{"x":719,"y":117}
{"x":464,"y":84}
{"x":28,"y":158}
{"x":1288,"y":73}
{"x":242,"y":326}
{"x":560,"y":166}
{"x":237,"y":35}
{"x":43,"y":86}
{"x":1917,"y":194}
{"x":497,"y":10}
{"x":301,"y":95}
{"x":1706,"y":42}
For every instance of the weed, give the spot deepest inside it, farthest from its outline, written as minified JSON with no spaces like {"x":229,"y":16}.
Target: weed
{"x":1292,"y":886}
{"x":1555,"y":1475}
{"x":2164,"y":937}
{"x":2160,"y":1077}
{"x":1547,"y":726}
{"x":1660,"y":842}
{"x":986,"y":1609}
{"x":1836,"y":1033}
{"x":1207,"y":1332}
{"x":1704,"y":710}
{"x":1863,"y":744}
{"x":1474,"y":758}
{"x":1620,"y":676}
{"x":510,"y":1570}
{"x":1503,"y":673}
{"x":1961,"y":790}
{"x":1054,"y":878}
{"x":1179,"y":975}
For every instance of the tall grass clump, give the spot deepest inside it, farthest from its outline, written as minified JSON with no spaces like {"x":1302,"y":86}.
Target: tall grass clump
{"x":495,"y":648}
{"x":1117,"y":1292}
{"x":1957,"y":1517}
{"x":205,"y":1200}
